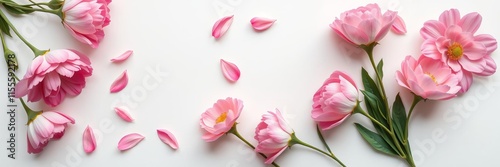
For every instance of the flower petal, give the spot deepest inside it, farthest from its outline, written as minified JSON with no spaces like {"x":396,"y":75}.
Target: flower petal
{"x":122,"y":112}
{"x":122,"y":57}
{"x":129,"y":141}
{"x":167,"y":138}
{"x":229,"y":70}
{"x":260,"y":23}
{"x":221,"y":26}
{"x":89,"y":143}
{"x":399,"y":26}
{"x":120,"y":83}
{"x":471,"y":22}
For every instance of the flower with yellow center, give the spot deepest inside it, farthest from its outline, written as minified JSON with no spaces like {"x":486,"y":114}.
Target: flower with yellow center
{"x":455,"y":51}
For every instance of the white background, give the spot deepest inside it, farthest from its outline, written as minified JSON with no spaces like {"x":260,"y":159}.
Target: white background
{"x":281,"y":68}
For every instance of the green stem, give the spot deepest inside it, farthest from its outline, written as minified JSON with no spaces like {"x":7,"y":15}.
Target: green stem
{"x":358,"y":109}
{"x":35,"y":50}
{"x":416,"y":99}
{"x":27,"y":8}
{"x":235,"y":132}
{"x":37,"y":4}
{"x":31,"y":114}
{"x":323,"y":140}
{"x":295,"y":140}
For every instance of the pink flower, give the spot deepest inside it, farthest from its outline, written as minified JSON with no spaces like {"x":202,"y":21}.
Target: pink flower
{"x":364,"y":25}
{"x":273,"y":134}
{"x":428,"y":78}
{"x":451,"y":40}
{"x":85,"y":19}
{"x":219,"y":119}
{"x":54,"y":75}
{"x":335,"y":100}
{"x":45,"y":126}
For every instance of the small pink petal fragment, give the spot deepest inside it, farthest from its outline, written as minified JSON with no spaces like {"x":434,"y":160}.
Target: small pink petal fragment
{"x":260,"y":23}
{"x":167,"y":138}
{"x":230,"y":71}
{"x":399,"y":26}
{"x":122,"y":112}
{"x":123,"y":57}
{"x":89,"y":143}
{"x":120,"y":83}
{"x":129,"y":141}
{"x":221,"y":26}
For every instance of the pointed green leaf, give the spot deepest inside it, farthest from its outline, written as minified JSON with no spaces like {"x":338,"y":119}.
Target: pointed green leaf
{"x":380,"y":65}
{"x":11,"y":8}
{"x":4,"y":27}
{"x":371,"y":86}
{"x":375,"y":140}
{"x":399,"y":117}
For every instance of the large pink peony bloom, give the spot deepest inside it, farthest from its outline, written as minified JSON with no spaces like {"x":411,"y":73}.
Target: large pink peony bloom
{"x":273,"y":134}
{"x":364,"y":25}
{"x":219,"y":119}
{"x":428,"y":78}
{"x":54,"y":75}
{"x":451,"y":40}
{"x":335,"y":100}
{"x":85,"y":19}
{"x":45,"y":126}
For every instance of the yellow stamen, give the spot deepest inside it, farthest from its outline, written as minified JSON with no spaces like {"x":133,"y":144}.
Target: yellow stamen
{"x":455,"y":51}
{"x":221,"y":118}
{"x":432,"y":77}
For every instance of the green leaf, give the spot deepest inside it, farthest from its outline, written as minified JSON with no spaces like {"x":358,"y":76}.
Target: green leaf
{"x":399,"y":117}
{"x":380,"y":65}
{"x":375,"y":140}
{"x":4,"y":27}
{"x":372,"y":88}
{"x":11,"y":8}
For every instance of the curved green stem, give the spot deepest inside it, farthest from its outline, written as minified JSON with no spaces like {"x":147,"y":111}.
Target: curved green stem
{"x":31,"y":114}
{"x":295,"y":140}
{"x":320,"y":135}
{"x":358,"y":109}
{"x":416,"y":99}
{"x":35,"y":50}
{"x":37,"y":4}
{"x":235,"y":132}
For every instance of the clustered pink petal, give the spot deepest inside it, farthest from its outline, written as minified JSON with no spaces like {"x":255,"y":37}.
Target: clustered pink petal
{"x":219,"y":119}
{"x":45,"y":126}
{"x":273,"y":134}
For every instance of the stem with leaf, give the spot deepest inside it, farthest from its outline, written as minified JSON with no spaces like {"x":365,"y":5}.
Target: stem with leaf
{"x":35,"y":50}
{"x":235,"y":132}
{"x":295,"y":140}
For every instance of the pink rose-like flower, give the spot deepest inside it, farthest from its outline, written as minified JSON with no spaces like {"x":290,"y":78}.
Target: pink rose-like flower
{"x":273,"y":134}
{"x":428,"y":78}
{"x":219,"y":119}
{"x":335,"y":100}
{"x":364,"y":25}
{"x":54,"y":75}
{"x":45,"y":126}
{"x":85,"y":19}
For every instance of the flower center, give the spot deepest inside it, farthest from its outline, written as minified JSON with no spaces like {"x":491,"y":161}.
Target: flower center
{"x":455,"y":51}
{"x":221,"y":118}
{"x":432,"y":77}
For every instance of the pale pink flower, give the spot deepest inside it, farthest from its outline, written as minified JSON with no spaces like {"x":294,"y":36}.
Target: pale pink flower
{"x":273,"y":135}
{"x":335,"y":100}
{"x":54,"y":75}
{"x":428,"y":78}
{"x":364,"y":25}
{"x":45,"y":126}
{"x":85,"y":19}
{"x":219,"y":119}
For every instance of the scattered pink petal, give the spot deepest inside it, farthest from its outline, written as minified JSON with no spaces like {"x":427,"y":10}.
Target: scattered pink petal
{"x":168,"y":138}
{"x":123,"y":57}
{"x":129,"y":141}
{"x":230,"y":71}
{"x":260,"y":23}
{"x":399,"y":26}
{"x":89,"y":143}
{"x":120,"y":83}
{"x":221,"y":26}
{"x":122,"y":112}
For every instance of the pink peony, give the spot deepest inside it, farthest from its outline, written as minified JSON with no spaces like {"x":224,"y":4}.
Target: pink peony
{"x":54,"y":75}
{"x":219,"y":119}
{"x":364,"y":25}
{"x":428,"y":78}
{"x":85,"y":19}
{"x":335,"y":100}
{"x":273,"y":135}
{"x":45,"y":126}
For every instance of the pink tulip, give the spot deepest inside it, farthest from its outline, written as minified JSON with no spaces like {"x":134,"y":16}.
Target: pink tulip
{"x":45,"y":126}
{"x":335,"y":100}
{"x":364,"y":25}
{"x":428,"y":78}
{"x":273,"y":134}
{"x":219,"y":119}
{"x":85,"y":19}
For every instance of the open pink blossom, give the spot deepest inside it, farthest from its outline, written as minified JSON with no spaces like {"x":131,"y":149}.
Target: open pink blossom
{"x":273,"y":135}
{"x":85,"y":19}
{"x":335,"y":100}
{"x":45,"y":126}
{"x":428,"y":78}
{"x":364,"y":25}
{"x":219,"y":119}
{"x":54,"y":75}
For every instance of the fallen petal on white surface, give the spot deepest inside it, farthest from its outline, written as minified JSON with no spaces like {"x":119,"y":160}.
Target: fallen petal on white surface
{"x":221,"y":26}
{"x":123,"y":56}
{"x":260,"y":23}
{"x":120,"y":83}
{"x":167,"y":138}
{"x":129,"y":141}
{"x":230,"y":70}
{"x":123,"y":113}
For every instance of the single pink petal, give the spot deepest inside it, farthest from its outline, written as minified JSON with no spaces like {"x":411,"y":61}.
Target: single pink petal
{"x":167,"y":138}
{"x":221,"y":26}
{"x":399,"y":26}
{"x":120,"y":83}
{"x":230,"y":71}
{"x":260,"y":23}
{"x":89,"y":143}
{"x":123,"y":57}
{"x":129,"y":141}
{"x":122,"y":112}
